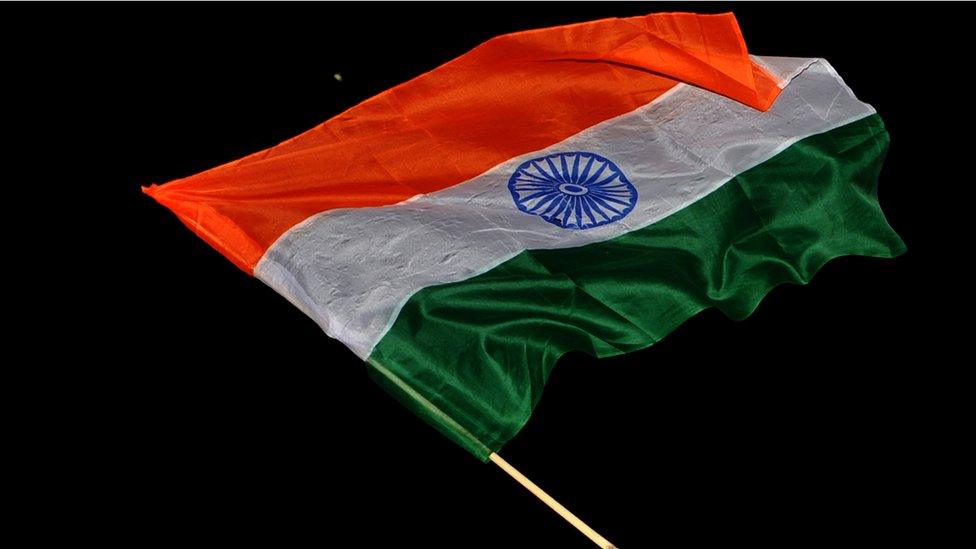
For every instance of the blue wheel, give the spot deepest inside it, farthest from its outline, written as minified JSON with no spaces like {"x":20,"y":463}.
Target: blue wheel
{"x":574,"y":190}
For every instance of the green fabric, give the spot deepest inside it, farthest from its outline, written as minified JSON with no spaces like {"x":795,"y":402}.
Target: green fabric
{"x":471,"y":357}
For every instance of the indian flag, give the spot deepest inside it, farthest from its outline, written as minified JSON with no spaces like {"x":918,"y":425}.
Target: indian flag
{"x":586,"y":187}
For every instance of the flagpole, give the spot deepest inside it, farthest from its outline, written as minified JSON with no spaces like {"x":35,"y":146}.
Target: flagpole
{"x":552,"y":503}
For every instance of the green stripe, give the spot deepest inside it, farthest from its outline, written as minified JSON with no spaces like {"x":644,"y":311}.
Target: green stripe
{"x":472,"y":357}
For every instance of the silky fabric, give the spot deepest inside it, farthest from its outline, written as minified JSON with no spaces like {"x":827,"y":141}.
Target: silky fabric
{"x":513,"y":94}
{"x":472,"y":357}
{"x":352,"y":269}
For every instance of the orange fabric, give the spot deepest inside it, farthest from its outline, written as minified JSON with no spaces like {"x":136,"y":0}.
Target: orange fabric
{"x":511,"y":95}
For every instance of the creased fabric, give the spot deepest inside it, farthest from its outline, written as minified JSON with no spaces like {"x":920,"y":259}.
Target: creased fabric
{"x":586,"y":187}
{"x":352,"y":269}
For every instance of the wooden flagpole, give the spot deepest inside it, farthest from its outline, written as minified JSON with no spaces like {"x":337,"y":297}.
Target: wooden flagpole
{"x":552,"y":503}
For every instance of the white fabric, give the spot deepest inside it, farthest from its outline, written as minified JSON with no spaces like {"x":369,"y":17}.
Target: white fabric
{"x":353,"y":269}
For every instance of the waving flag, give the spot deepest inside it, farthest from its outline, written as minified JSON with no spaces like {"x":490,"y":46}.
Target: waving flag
{"x":586,"y":187}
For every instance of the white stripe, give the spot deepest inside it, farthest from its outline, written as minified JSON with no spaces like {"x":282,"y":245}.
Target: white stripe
{"x":353,"y":269}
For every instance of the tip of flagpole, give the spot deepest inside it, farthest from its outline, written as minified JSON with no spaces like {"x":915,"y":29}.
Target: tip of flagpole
{"x":552,"y":503}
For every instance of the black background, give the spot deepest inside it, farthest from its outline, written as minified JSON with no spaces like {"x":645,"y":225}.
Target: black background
{"x":198,"y":405}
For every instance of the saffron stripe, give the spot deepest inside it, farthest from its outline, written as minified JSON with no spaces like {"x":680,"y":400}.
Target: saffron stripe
{"x":513,"y":94}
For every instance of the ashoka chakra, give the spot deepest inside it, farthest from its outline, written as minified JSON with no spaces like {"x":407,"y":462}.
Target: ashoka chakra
{"x":575,"y":190}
